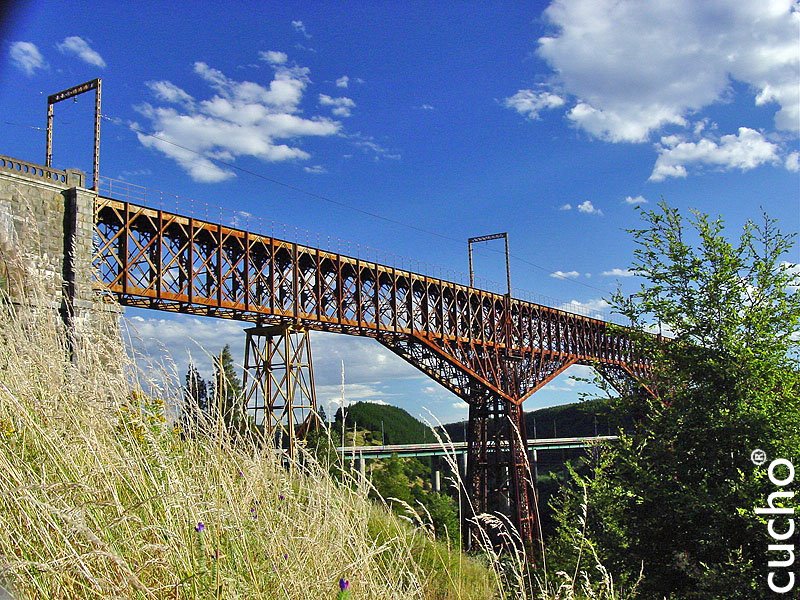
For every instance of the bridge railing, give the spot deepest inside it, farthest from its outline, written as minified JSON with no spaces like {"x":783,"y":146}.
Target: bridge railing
{"x":26,"y":168}
{"x":173,"y":262}
{"x":177,"y":204}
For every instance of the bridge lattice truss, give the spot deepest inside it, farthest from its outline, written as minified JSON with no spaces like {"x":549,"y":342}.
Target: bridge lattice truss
{"x":491,"y":350}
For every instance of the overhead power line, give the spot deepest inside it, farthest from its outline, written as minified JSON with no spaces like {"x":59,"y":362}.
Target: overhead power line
{"x":339,"y":203}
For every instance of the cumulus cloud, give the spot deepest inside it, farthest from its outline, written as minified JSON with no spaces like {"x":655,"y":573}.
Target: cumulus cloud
{"x":565,"y":274}
{"x":530,"y":103}
{"x":618,"y":273}
{"x":792,"y":162}
{"x":169,"y":92}
{"x":588,"y":208}
{"x":26,"y":57}
{"x":240,"y":118}
{"x":744,"y":151}
{"x":693,"y":50}
{"x":794,"y":271}
{"x":566,"y":206}
{"x":274,"y":57}
{"x":596,"y":308}
{"x":315,"y":169}
{"x":341,"y":106}
{"x":77,"y":46}
{"x":343,"y":81}
{"x":635,"y":200}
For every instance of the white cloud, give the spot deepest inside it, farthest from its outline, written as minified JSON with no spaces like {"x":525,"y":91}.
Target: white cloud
{"x":459,"y":405}
{"x":315,"y":169}
{"x":80,"y":47}
{"x":792,"y":162}
{"x":744,"y":151}
{"x":634,"y":66}
{"x":597,"y":308}
{"x":368,"y":144}
{"x":343,"y":81}
{"x":530,"y":103}
{"x":565,"y":207}
{"x":299,"y":27}
{"x":565,"y":274}
{"x":588,"y":208}
{"x":635,"y":200}
{"x":26,"y":57}
{"x":618,"y":273}
{"x":169,"y":92}
{"x":341,"y":106}
{"x":273,"y":57}
{"x":242,"y":118}
{"x":794,"y":270}
{"x":426,"y":107}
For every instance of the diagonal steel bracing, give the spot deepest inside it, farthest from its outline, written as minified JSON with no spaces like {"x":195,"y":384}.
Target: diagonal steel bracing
{"x":491,"y":350}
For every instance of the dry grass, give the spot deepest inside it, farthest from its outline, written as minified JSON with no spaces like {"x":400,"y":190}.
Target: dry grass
{"x":101,"y":498}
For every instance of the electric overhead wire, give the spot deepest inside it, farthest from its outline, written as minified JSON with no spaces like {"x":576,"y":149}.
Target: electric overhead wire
{"x":324,"y":198}
{"x":341,"y":204}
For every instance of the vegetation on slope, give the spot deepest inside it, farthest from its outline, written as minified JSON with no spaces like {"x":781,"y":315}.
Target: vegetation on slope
{"x":388,"y":424}
{"x":101,"y":498}
{"x":676,"y":498}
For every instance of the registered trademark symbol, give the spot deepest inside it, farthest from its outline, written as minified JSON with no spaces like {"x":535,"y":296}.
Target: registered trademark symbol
{"x":758,"y":456}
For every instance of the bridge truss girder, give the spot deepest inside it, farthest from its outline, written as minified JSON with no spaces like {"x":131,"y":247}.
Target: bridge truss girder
{"x":491,"y":350}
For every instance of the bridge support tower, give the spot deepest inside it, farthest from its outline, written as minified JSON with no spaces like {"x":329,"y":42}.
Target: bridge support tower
{"x":279,"y":383}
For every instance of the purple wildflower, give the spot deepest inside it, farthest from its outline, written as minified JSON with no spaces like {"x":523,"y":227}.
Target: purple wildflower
{"x":285,"y":556}
{"x":281,"y":497}
{"x":200,"y":527}
{"x":344,"y":585}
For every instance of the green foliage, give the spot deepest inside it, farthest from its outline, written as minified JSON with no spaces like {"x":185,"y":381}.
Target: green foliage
{"x":227,"y":397}
{"x":576,"y":419}
{"x":405,"y":482}
{"x":678,"y":494}
{"x":396,"y":425}
{"x":194,"y":399}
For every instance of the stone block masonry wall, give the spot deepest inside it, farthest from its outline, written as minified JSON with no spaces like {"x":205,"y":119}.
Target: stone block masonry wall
{"x":46,"y":242}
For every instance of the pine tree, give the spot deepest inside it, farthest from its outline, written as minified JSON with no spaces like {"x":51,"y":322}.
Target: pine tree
{"x":228,"y":395}
{"x":195,"y":398}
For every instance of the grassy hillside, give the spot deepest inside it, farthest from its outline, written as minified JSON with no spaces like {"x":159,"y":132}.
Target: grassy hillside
{"x":567,"y":420}
{"x":395,"y":424}
{"x":101,"y":498}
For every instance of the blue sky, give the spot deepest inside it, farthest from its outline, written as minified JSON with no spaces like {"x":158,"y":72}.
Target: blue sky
{"x":549,"y":120}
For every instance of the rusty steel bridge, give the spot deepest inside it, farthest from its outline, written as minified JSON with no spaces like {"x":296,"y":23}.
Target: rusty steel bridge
{"x":493,"y":351}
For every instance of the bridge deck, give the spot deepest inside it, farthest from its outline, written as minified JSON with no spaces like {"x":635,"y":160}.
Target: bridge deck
{"x":156,"y":259}
{"x":422,"y":450}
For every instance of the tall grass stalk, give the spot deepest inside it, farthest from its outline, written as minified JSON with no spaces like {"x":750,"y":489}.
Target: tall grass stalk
{"x":102,"y":497}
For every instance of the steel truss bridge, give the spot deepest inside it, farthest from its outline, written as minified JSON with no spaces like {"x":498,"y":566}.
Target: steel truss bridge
{"x":491,"y":350}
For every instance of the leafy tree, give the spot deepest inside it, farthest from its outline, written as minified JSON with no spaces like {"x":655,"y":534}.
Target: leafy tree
{"x":678,"y":494}
{"x":408,"y":480}
{"x":228,"y":395}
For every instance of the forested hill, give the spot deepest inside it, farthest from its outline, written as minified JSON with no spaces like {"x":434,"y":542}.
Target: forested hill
{"x":567,"y":420}
{"x":393,"y":423}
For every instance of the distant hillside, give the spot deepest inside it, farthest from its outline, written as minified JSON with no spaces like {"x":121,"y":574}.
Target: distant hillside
{"x":566,"y":420}
{"x":394,"y":424}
